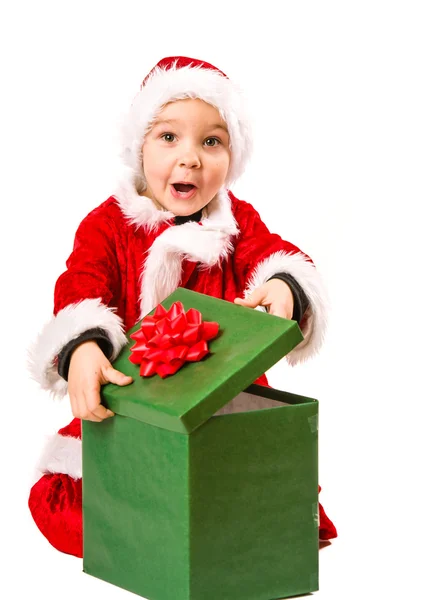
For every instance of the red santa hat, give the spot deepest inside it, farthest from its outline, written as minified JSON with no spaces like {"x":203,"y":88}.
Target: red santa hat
{"x":178,"y":78}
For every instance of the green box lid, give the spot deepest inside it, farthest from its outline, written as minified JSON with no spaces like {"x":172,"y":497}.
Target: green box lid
{"x":249,"y":343}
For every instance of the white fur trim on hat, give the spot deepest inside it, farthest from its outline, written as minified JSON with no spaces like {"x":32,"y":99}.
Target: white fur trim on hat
{"x":69,"y":323}
{"x":166,"y":85}
{"x":314,"y":322}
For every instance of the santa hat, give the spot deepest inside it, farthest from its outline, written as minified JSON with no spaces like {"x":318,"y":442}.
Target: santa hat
{"x":178,"y":78}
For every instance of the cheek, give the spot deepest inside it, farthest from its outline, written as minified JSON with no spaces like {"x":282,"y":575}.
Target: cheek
{"x":220,"y":163}
{"x":222,"y":166}
{"x":154,"y":164}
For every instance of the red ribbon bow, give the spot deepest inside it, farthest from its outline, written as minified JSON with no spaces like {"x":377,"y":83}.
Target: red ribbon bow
{"x":170,"y":338}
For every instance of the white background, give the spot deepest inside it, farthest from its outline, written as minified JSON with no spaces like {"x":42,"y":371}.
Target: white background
{"x":338,"y":93}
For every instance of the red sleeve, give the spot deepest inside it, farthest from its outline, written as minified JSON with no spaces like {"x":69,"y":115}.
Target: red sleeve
{"x":260,"y":254}
{"x":255,"y":243}
{"x":92,"y":267}
{"x":85,"y":297}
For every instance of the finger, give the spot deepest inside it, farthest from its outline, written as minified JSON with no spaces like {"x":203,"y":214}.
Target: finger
{"x":91,"y":417}
{"x":113,"y":376}
{"x":79,"y":408}
{"x":96,"y":411}
{"x":240,"y":301}
{"x":253,"y":299}
{"x":102,"y":412}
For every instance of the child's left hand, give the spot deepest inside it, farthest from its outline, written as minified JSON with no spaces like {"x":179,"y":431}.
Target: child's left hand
{"x":274,"y":293}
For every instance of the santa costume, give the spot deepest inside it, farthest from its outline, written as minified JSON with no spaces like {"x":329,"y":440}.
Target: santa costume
{"x":130,"y":253}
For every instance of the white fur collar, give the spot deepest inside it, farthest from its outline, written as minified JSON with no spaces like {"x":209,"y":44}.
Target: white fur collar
{"x":206,"y":243}
{"x":141,"y":211}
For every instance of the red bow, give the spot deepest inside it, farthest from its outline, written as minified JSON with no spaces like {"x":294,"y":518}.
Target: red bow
{"x":168,"y":339}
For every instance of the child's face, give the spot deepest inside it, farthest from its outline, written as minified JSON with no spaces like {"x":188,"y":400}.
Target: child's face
{"x":192,"y":146}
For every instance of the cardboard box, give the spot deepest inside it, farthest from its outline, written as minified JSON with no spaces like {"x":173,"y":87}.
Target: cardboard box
{"x":184,"y":499}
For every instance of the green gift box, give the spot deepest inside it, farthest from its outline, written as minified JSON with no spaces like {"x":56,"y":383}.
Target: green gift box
{"x":184,"y":498}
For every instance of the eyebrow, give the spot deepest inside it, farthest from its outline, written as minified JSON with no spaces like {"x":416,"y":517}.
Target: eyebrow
{"x":172,"y":121}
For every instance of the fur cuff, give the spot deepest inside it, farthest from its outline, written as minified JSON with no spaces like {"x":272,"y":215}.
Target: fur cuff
{"x":62,"y":454}
{"x":314,"y":321}
{"x":68,"y":324}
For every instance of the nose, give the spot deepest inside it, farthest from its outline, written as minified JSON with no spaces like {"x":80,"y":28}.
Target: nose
{"x":189,"y":158}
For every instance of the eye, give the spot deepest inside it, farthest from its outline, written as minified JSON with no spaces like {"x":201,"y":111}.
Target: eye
{"x":169,"y":135}
{"x":213,"y":139}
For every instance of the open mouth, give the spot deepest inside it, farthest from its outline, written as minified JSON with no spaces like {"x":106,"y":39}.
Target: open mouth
{"x":183,"y":190}
{"x":183,"y":187}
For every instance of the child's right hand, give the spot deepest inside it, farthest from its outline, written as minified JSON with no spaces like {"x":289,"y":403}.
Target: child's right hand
{"x":89,"y":370}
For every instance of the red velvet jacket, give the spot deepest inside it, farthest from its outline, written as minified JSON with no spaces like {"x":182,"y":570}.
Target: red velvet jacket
{"x":128,"y":256}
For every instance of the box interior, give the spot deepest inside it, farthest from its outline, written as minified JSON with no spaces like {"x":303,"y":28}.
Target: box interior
{"x":245,"y":402}
{"x":260,"y":397}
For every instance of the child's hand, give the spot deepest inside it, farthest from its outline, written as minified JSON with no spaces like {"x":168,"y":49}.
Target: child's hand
{"x":89,"y":370}
{"x":274,"y":293}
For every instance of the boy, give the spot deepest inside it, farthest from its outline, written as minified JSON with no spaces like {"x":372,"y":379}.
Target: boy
{"x":173,"y":222}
